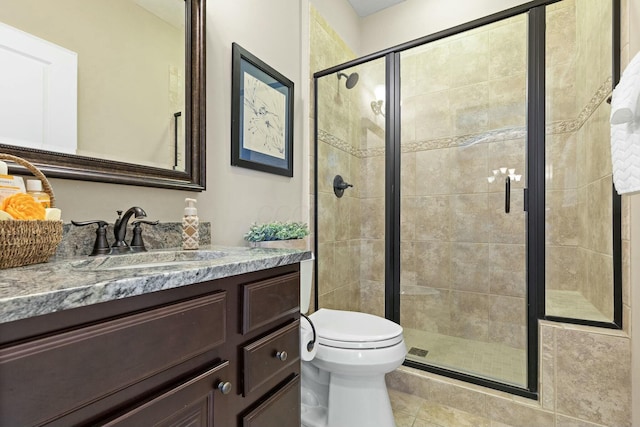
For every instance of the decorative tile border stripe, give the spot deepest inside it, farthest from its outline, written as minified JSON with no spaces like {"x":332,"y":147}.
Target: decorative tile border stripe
{"x":506,"y":134}
{"x":497,"y":135}
{"x":432,"y":144}
{"x":336,"y":142}
{"x":596,"y":100}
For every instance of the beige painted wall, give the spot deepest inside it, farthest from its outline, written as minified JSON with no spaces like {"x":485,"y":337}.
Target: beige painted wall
{"x":631,"y":33}
{"x":235,"y":197}
{"x":634,"y":202}
{"x":412,"y":19}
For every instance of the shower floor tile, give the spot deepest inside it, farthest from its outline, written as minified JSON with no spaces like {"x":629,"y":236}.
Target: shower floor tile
{"x":572,"y":304}
{"x":488,"y":360}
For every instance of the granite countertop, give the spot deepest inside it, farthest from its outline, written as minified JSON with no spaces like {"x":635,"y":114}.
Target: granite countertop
{"x":80,"y":281}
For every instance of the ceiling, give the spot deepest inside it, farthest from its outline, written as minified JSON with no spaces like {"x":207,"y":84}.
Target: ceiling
{"x":368,"y":7}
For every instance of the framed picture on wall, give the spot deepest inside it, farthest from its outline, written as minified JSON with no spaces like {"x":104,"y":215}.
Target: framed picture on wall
{"x":261,"y":116}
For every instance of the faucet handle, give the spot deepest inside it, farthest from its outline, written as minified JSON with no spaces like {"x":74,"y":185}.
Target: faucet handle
{"x":144,"y":221}
{"x":101,"y":245}
{"x":93,"y":221}
{"x":137,"y":244}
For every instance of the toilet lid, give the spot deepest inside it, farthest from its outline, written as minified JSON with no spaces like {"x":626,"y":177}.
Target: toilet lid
{"x":349,"y":329}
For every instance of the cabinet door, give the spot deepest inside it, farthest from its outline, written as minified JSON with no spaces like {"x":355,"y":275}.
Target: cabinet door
{"x":282,"y":409}
{"x":46,"y":378}
{"x":192,"y":403}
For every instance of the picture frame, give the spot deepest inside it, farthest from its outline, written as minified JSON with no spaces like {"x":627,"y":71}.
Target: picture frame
{"x":261,"y":115}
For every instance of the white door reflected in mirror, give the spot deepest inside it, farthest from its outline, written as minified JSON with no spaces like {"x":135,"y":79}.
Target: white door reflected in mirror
{"x":38,"y":88}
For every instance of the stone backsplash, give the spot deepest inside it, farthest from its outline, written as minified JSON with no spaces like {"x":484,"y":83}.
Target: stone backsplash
{"x":78,"y":241}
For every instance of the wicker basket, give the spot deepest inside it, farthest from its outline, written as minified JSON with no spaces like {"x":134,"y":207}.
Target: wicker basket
{"x":29,"y":242}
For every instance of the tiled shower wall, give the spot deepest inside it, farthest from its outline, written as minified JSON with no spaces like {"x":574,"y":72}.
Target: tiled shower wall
{"x":595,"y":243}
{"x":338,"y":219}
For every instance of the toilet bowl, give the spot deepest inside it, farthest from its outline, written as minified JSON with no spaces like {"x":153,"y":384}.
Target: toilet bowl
{"x":343,"y":384}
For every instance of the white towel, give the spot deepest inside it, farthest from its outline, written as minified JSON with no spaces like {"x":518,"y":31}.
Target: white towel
{"x":625,"y":104}
{"x":625,"y":130}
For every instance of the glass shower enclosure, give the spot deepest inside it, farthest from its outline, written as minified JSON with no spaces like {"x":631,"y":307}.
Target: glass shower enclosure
{"x":463,"y":224}
{"x":442,"y":227}
{"x":462,"y":172}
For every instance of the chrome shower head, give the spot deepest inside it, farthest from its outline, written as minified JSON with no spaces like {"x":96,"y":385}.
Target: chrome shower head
{"x":352,"y":79}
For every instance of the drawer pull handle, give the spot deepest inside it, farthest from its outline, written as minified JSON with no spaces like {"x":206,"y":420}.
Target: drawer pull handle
{"x":281,"y":355}
{"x":224,"y":387}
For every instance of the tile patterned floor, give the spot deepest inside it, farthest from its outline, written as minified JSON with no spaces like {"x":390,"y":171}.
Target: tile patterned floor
{"x":413,"y":411}
{"x":489,"y":360}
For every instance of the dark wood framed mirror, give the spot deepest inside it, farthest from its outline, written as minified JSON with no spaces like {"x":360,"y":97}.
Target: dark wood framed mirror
{"x":191,"y":174}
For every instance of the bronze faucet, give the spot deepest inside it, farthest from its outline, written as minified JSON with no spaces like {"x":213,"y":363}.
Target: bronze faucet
{"x":120,"y":228}
{"x":101,"y":245}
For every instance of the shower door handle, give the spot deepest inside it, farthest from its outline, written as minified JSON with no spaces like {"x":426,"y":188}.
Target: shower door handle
{"x":507,"y":195}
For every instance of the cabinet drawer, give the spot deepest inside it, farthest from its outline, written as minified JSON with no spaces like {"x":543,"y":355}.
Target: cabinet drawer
{"x":187,"y":404}
{"x":269,"y":300}
{"x":280,"y":410}
{"x":53,"y":376}
{"x":261,"y":358}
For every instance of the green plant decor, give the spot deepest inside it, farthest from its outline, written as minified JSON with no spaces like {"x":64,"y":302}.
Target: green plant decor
{"x":277,"y":231}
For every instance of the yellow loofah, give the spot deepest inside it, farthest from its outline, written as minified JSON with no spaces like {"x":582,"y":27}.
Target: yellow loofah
{"x":23,"y":206}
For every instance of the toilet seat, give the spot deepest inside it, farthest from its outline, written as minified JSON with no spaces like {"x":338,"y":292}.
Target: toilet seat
{"x":354,"y":330}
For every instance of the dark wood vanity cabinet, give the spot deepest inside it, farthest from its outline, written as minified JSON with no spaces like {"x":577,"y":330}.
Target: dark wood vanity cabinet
{"x":221,"y":353}
{"x":190,"y":403}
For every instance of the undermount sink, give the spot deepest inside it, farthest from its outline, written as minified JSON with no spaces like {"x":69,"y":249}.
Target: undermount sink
{"x":147,"y":260}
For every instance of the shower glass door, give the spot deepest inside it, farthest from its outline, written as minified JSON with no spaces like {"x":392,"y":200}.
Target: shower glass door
{"x":351,"y":223}
{"x":463,"y":226}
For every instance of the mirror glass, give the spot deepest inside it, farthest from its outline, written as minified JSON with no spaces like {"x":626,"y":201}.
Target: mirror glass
{"x":100,"y":89}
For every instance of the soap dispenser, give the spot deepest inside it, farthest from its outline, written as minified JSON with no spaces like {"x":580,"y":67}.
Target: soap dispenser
{"x":190,"y":222}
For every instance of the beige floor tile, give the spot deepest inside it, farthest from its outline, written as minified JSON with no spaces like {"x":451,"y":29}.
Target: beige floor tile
{"x":423,"y":423}
{"x":499,"y":424}
{"x":403,"y":419}
{"x":405,"y":403}
{"x":441,"y":415}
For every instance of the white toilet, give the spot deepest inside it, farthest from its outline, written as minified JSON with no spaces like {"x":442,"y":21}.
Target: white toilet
{"x":343,"y":383}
